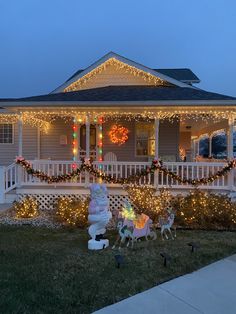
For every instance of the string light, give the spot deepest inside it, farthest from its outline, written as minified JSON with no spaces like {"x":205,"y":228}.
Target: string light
{"x":100,"y":141}
{"x":72,"y":212}
{"x":28,"y":119}
{"x":146,"y":201}
{"x":74,"y":143}
{"x":205,"y":210}
{"x":119,"y":65}
{"x":44,"y":118}
{"x":118,"y":134}
{"x":27,"y":208}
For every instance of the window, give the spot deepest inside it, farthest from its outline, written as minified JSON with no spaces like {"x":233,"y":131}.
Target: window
{"x":6,"y":133}
{"x":145,"y":140}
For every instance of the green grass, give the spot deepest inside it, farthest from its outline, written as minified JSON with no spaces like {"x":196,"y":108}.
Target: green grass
{"x":51,"y":271}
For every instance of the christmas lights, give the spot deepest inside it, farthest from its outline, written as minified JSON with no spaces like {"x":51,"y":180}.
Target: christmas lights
{"x":100,"y":140}
{"x":72,"y":212}
{"x":27,"y":208}
{"x":118,"y":134}
{"x":74,"y":143}
{"x":148,"y":77}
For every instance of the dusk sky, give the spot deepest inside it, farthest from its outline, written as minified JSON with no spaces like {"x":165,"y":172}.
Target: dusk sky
{"x":44,"y":41}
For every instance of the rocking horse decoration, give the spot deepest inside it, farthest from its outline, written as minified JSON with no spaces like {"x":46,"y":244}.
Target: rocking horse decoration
{"x":132,"y":227}
{"x":166,"y":223}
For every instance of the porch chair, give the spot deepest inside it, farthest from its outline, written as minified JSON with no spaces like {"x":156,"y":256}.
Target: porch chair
{"x":113,"y":169}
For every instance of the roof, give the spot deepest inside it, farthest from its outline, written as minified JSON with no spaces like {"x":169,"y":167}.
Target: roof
{"x":126,"y":94}
{"x":112,"y":55}
{"x":183,"y":74}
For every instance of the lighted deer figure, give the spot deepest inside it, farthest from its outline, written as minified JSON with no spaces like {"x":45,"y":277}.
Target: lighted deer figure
{"x":166,"y":223}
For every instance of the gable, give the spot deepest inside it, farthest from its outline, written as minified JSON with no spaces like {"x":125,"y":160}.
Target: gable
{"x":113,"y":69}
{"x":114,"y":73}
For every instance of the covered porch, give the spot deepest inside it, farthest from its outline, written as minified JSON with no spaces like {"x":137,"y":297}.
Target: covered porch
{"x":171,"y":135}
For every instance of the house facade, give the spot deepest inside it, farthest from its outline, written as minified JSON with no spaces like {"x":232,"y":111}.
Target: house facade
{"x":121,"y":115}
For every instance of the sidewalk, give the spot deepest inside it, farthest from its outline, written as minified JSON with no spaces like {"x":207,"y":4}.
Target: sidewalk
{"x":210,"y":290}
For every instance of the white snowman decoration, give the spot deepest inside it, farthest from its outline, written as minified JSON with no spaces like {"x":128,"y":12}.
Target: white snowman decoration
{"x":99,"y":216}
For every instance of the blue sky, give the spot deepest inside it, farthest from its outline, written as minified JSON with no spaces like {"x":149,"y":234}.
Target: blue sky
{"x":44,"y":41}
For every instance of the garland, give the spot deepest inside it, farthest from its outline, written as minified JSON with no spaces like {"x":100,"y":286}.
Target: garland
{"x":88,"y":166}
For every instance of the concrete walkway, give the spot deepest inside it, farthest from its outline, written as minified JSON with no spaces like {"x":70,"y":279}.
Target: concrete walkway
{"x":210,"y":290}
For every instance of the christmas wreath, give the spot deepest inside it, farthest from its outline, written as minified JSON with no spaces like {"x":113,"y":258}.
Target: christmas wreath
{"x":118,"y":134}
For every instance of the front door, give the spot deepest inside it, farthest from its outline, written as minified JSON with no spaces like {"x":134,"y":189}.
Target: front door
{"x":92,"y":141}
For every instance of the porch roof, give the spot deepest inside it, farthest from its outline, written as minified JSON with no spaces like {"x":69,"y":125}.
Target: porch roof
{"x":112,"y":94}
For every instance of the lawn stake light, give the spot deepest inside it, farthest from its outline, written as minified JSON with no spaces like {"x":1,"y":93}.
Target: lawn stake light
{"x":119,"y":260}
{"x":166,"y":257}
{"x":194,"y":246}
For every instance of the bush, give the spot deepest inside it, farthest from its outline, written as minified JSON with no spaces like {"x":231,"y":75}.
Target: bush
{"x":72,"y":212}
{"x":205,"y":210}
{"x":27,"y":208}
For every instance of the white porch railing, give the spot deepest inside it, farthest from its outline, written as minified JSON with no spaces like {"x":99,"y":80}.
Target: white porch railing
{"x":13,"y":176}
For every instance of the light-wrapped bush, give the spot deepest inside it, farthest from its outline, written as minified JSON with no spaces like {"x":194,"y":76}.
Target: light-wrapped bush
{"x":72,"y":212}
{"x":26,"y":208}
{"x":206,"y":210}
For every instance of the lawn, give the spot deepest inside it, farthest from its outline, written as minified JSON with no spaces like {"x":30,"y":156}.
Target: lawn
{"x":51,"y":271}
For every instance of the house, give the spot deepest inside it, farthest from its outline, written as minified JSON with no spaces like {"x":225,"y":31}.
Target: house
{"x":122,"y":115}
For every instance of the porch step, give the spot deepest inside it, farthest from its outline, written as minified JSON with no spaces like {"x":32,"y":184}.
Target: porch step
{"x":4,"y":207}
{"x":10,"y":197}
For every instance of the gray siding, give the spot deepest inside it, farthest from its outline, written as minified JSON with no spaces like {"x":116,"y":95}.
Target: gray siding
{"x":50,"y":146}
{"x":169,"y":139}
{"x":8,"y":152}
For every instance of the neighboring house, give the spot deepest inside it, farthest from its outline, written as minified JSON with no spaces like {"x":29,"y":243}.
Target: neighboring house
{"x":162,"y":110}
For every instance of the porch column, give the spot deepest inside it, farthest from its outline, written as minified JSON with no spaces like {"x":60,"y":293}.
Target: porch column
{"x":20,"y":135}
{"x":97,"y":141}
{"x":198,"y":146}
{"x":230,"y":137}
{"x":87,"y":136}
{"x":156,"y":126}
{"x":78,"y":141}
{"x":210,"y":145}
{"x":38,"y":143}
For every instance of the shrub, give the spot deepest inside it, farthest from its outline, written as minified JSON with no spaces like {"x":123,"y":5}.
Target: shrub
{"x":27,"y":208}
{"x":72,"y":212}
{"x":206,"y":210}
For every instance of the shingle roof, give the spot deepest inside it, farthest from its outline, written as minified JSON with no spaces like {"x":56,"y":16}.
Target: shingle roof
{"x":183,"y":74}
{"x":127,"y":93}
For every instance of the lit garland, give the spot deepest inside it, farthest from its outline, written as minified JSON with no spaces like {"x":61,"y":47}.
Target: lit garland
{"x":148,"y":77}
{"x":118,"y":134}
{"x":72,"y":212}
{"x":27,"y":208}
{"x":156,"y":165}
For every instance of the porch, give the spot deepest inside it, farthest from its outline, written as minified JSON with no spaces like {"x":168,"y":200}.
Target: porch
{"x":15,"y":182}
